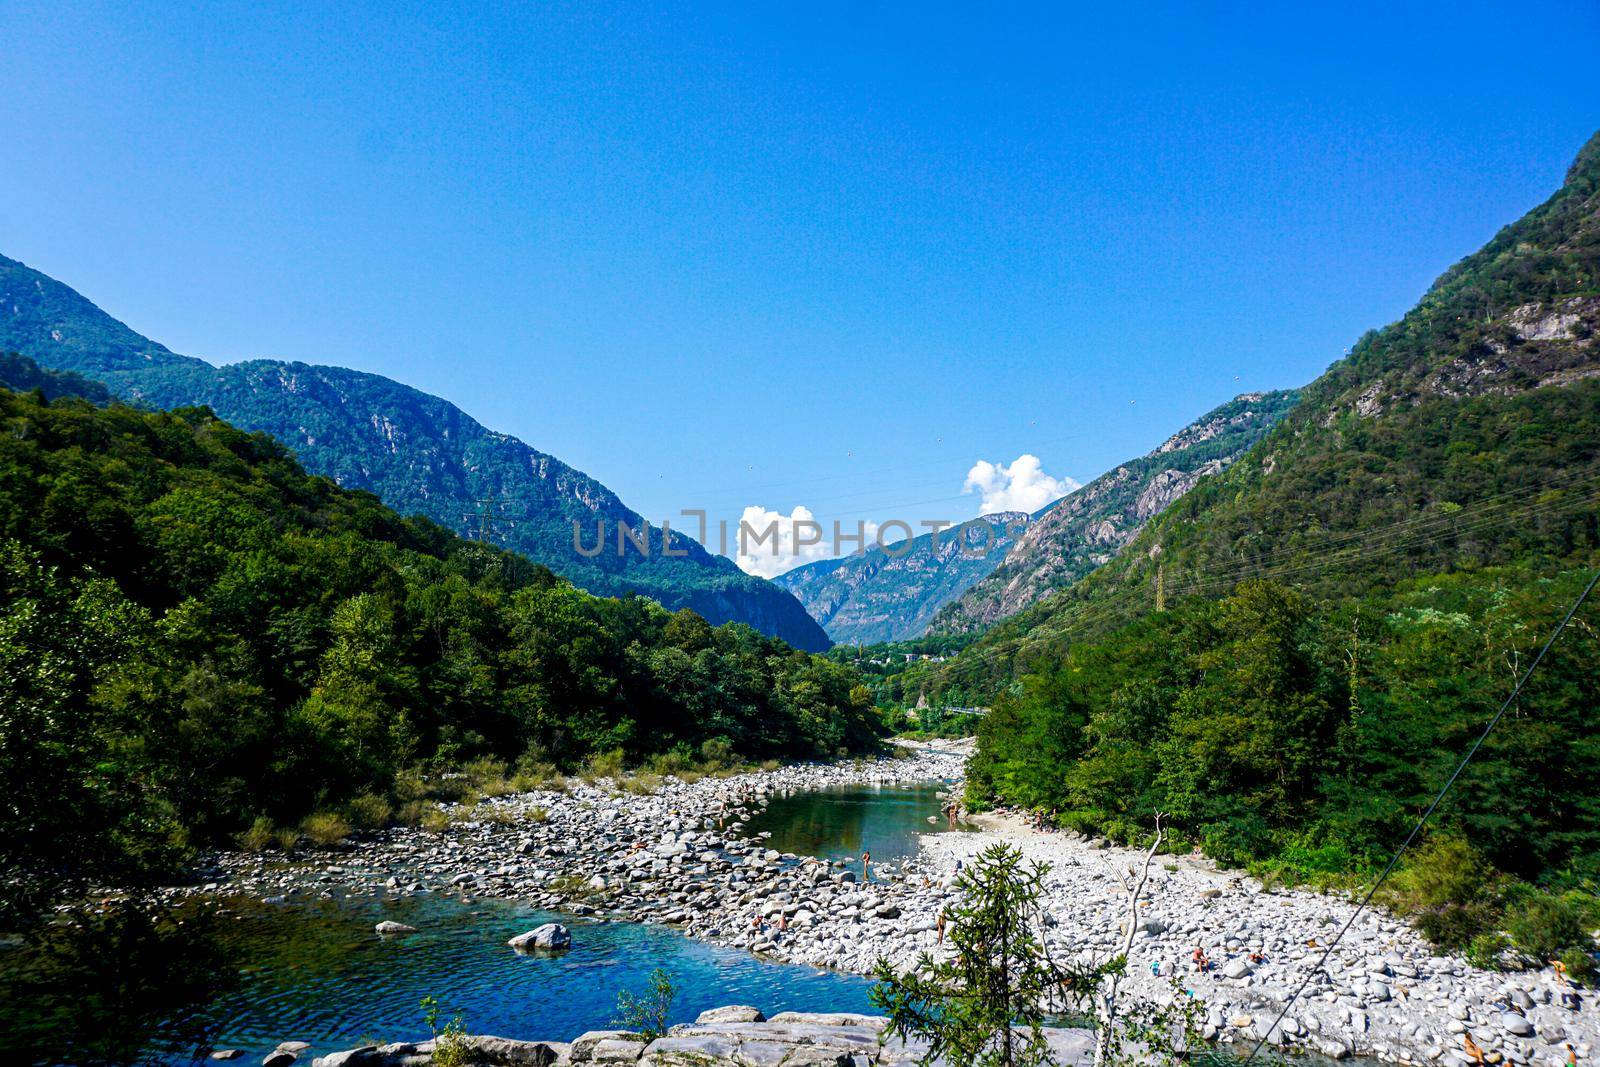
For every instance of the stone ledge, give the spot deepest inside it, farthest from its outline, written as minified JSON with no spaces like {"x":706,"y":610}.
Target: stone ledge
{"x":788,"y":1039}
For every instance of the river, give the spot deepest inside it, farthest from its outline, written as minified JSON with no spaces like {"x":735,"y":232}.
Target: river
{"x":314,"y":971}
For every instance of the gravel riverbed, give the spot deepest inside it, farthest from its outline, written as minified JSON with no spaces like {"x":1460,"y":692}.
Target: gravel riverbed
{"x":679,"y":857}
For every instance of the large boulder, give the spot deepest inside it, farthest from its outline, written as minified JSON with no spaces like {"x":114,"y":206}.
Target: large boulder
{"x":551,"y":937}
{"x":732,"y":1013}
{"x":584,"y":1045}
{"x":389,"y":928}
{"x":511,"y":1053}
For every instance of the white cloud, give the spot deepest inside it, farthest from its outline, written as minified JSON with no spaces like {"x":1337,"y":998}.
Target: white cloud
{"x":770,"y":542}
{"x":1021,"y":486}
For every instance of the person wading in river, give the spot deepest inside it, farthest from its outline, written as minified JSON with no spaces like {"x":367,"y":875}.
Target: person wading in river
{"x":866,"y":866}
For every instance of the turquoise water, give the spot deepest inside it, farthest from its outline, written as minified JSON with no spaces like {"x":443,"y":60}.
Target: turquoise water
{"x":317,"y":972}
{"x":246,"y":975}
{"x":844,"y":822}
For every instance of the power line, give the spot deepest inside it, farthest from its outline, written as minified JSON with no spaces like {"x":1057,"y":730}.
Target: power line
{"x":1417,"y":829}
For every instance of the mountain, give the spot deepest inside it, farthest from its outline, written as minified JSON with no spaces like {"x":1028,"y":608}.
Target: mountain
{"x":1344,"y":610}
{"x":419,"y":453}
{"x":22,"y":375}
{"x":198,"y":638}
{"x":1089,"y":527}
{"x":890,"y":595}
{"x":1466,"y":435}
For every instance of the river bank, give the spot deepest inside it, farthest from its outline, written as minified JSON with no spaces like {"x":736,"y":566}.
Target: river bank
{"x":679,"y":857}
{"x":733,"y":1034}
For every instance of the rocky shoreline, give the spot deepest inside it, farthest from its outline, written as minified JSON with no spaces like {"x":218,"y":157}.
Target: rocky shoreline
{"x":678,"y":857}
{"x":735,"y":1034}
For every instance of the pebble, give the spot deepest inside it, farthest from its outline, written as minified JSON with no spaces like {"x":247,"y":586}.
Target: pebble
{"x":678,"y":857}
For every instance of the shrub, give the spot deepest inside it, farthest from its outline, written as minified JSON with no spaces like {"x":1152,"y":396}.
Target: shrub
{"x":1447,"y":890}
{"x":604,"y":765}
{"x":450,"y":1048}
{"x":717,"y":753}
{"x":647,"y":1014}
{"x":426,"y":814}
{"x":1544,"y":926}
{"x":369,"y":811}
{"x":261,"y":836}
{"x":500,"y":814}
{"x":1580,"y":965}
{"x":325,"y":828}
{"x":676,"y":761}
{"x":1084,"y":822}
{"x":1485,"y":950}
{"x":641,"y":784}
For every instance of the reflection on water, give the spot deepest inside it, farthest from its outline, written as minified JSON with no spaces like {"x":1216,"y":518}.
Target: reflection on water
{"x":316,"y":972}
{"x":843,"y":822}
{"x":100,"y":989}
{"x":130,"y":988}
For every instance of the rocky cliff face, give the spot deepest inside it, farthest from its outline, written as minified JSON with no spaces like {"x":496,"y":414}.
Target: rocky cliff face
{"x":419,"y":453}
{"x":891,"y":595}
{"x":1470,"y":422}
{"x":1090,"y":526}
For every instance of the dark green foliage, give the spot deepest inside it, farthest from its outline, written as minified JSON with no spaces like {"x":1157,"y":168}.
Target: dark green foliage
{"x":420,"y":453}
{"x":195,"y":633}
{"x":986,"y":1006}
{"x":1449,"y":891}
{"x":1305,"y":742}
{"x":1266,"y":726}
{"x":1544,"y":926}
{"x":648,"y":1014}
{"x":92,"y":987}
{"x":1081,"y":532}
{"x":22,"y":375}
{"x":1460,"y":437}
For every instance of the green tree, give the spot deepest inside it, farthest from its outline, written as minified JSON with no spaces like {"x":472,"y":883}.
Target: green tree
{"x":985,"y":1006}
{"x":648,"y":1013}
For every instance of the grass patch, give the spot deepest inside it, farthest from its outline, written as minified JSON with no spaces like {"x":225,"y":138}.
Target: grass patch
{"x":262,"y":835}
{"x":325,"y":828}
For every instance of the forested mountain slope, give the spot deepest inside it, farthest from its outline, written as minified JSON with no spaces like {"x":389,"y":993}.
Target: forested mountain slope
{"x":420,"y":453}
{"x":1346,"y":608}
{"x":875,"y":596}
{"x":1093,"y":523}
{"x":1465,"y":435}
{"x":22,"y":375}
{"x":196,"y":634}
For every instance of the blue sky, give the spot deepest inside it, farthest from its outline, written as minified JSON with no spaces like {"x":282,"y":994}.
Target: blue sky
{"x":725,"y":256}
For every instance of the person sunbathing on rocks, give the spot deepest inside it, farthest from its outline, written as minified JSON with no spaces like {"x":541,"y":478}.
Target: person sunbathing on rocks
{"x":1474,"y":1052}
{"x":1200,"y":962}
